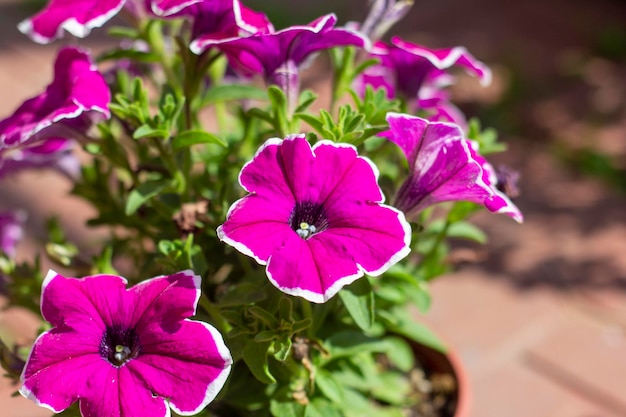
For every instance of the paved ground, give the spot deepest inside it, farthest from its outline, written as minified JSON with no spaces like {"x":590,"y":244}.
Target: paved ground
{"x":539,"y":318}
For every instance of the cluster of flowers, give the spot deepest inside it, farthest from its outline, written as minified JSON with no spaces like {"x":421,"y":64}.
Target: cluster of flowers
{"x":314,"y":215}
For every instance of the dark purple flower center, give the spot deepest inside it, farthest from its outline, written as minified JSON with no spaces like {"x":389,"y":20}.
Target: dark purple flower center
{"x":308,"y":218}
{"x":119,"y":345}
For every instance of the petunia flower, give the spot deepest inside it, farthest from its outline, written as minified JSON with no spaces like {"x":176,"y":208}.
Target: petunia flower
{"x":11,"y":231}
{"x":443,"y":166}
{"x":80,"y":17}
{"x":218,"y":20}
{"x":40,"y":130}
{"x":277,"y":56}
{"x":125,"y":352}
{"x":420,"y":76}
{"x":315,"y":217}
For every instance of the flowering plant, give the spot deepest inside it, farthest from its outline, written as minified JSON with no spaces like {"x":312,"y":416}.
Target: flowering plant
{"x":263,"y":220}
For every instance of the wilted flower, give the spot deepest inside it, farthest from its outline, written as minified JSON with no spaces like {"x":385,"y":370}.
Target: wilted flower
{"x":125,"y":352}
{"x":443,"y":166}
{"x":315,"y":217}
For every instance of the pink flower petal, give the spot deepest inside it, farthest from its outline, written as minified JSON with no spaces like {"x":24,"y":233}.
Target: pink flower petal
{"x":105,"y":338}
{"x":296,"y":221}
{"x":188,"y":365}
{"x":443,"y":166}
{"x":267,"y":52}
{"x":260,"y":222}
{"x":77,"y":17}
{"x":165,"y":299}
{"x":77,"y":96}
{"x":54,"y":379}
{"x":307,"y":270}
{"x":447,"y":57}
{"x":118,"y":392}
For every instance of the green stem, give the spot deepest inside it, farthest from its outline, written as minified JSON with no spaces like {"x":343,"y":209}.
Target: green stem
{"x":216,"y":316}
{"x":307,"y":313}
{"x":153,"y":35}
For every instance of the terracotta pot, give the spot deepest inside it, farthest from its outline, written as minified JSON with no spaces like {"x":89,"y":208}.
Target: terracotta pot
{"x":434,"y":361}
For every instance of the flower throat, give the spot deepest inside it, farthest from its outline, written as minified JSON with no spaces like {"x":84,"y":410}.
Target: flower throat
{"x":307,"y":219}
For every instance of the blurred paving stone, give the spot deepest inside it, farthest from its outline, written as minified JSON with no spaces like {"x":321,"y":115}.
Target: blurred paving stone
{"x":487,"y":321}
{"x":587,"y":357}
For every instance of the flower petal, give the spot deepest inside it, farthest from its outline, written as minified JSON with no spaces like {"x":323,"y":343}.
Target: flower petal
{"x":164,"y":299}
{"x":60,"y":368}
{"x":67,"y":302}
{"x":118,"y":392}
{"x":77,"y":17}
{"x":256,"y":226}
{"x":443,"y":166}
{"x":344,"y":175}
{"x":77,"y":96}
{"x":375,"y":236}
{"x":297,"y":270}
{"x":189,"y":365}
{"x":447,"y":57}
{"x":266,"y":52}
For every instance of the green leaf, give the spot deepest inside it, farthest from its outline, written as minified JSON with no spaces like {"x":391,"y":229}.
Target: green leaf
{"x":232,"y":92}
{"x":282,"y":348}
{"x":311,"y":120}
{"x":307,"y":97}
{"x":351,"y":343}
{"x":287,"y":408}
{"x":255,"y":356}
{"x":146,"y":131}
{"x":400,"y":353}
{"x":399,"y":321}
{"x":358,"y":299}
{"x":329,"y":386}
{"x":141,"y":194}
{"x":320,"y":407}
{"x":265,"y":316}
{"x":243,"y":293}
{"x":466,"y":230}
{"x":134,"y":55}
{"x":195,"y":137}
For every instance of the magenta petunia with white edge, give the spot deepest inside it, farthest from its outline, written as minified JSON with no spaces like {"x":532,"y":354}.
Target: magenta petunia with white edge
{"x":443,"y":166}
{"x":315,"y":217}
{"x":125,"y":352}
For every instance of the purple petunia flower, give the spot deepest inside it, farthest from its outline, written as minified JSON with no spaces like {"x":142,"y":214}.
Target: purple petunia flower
{"x":277,"y":56}
{"x":218,"y":20}
{"x":443,"y":166}
{"x":125,"y":352}
{"x":80,"y":17}
{"x":420,"y":75}
{"x":38,"y":133}
{"x":11,"y":231}
{"x":315,"y":217}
